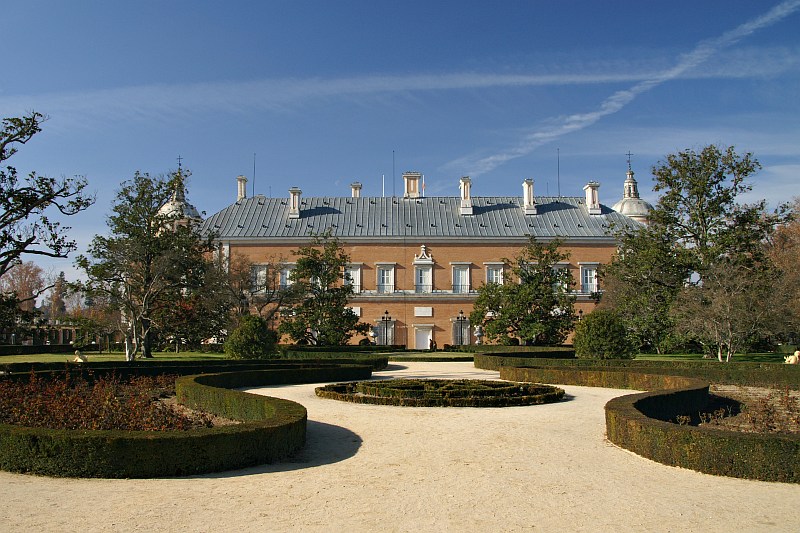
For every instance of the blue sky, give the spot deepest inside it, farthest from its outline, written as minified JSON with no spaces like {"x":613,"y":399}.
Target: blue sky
{"x":326,"y":93}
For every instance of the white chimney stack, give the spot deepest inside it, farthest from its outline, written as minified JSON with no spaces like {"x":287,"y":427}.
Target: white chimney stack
{"x":294,"y":202}
{"x":466,"y":196}
{"x":242,"y":191}
{"x":411,"y":182}
{"x":355,"y":189}
{"x":528,"y":201}
{"x":592,"y":198}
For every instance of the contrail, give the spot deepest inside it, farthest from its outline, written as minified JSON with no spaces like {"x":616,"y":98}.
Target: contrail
{"x":614,"y":103}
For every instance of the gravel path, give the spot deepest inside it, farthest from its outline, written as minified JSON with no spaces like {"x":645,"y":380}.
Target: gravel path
{"x":379,"y":468}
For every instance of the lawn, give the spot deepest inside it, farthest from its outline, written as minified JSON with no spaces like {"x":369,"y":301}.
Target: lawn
{"x":95,"y":357}
{"x":738,"y":358}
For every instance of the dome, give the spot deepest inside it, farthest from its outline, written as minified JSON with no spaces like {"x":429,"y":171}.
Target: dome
{"x":177,"y":207}
{"x":631,"y":205}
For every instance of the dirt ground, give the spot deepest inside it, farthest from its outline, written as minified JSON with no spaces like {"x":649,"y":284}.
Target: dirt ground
{"x":381,"y":468}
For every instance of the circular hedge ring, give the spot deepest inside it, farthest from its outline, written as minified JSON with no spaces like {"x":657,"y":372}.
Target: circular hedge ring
{"x":442,"y":393}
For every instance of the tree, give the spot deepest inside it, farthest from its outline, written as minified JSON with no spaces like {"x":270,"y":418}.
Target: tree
{"x":56,"y":304}
{"x":784,"y":252}
{"x":736,"y":305}
{"x":251,"y":340}
{"x":322,"y":317}
{"x":198,"y":312}
{"x":26,"y":226}
{"x":699,"y":211}
{"x":259,"y":286}
{"x":148,"y":256}
{"x":642,"y":282}
{"x":602,"y":335}
{"x":699,"y":234}
{"x":24,"y":282}
{"x":536,"y":306}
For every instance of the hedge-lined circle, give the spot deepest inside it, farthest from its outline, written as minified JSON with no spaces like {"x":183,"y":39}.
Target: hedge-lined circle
{"x":442,"y":393}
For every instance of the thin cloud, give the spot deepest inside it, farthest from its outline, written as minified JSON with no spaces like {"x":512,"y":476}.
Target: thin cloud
{"x":162,"y":102}
{"x":617,"y":101}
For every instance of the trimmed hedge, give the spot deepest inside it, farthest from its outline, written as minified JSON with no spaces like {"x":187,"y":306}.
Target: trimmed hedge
{"x":182,"y":368}
{"x":640,"y":423}
{"x":441,"y":393}
{"x":272,"y":429}
{"x":752,"y":374}
{"x":18,"y":349}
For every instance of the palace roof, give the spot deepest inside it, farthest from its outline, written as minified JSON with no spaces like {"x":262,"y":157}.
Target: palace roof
{"x":392,"y":218}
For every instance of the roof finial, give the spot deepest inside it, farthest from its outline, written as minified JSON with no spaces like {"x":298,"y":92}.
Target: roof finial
{"x":629,"y":154}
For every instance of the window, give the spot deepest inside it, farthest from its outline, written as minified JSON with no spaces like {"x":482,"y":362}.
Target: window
{"x":559,"y":271}
{"x":386,"y":278}
{"x":353,"y":277}
{"x":494,"y":273}
{"x":461,"y":330}
{"x":589,"y":278}
{"x":384,"y":332}
{"x":258,"y":278}
{"x":286,"y":276}
{"x":461,"y":279}
{"x":423,"y":279}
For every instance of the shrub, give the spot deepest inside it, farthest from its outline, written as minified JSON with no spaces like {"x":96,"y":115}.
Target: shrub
{"x":602,"y":335}
{"x":252,"y":340}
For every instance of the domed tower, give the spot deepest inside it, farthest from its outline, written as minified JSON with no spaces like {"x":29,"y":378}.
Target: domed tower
{"x":177,"y":207}
{"x":631,"y":204}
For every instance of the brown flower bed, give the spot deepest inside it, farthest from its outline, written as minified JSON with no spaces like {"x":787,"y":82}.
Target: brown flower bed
{"x":65,"y":402}
{"x":753,"y":409}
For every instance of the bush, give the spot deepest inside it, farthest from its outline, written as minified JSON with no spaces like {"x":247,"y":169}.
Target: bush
{"x":602,"y":335}
{"x":252,"y":340}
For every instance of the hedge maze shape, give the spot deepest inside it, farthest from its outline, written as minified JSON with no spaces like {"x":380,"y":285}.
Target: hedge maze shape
{"x":271,"y":429}
{"x":442,"y":393}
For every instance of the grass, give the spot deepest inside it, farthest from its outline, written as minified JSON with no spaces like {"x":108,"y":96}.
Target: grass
{"x":738,"y":358}
{"x":95,"y":357}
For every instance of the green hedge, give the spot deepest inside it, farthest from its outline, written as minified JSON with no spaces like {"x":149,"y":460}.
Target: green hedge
{"x":640,"y":423}
{"x":18,"y":349}
{"x":752,"y":374}
{"x":494,"y":348}
{"x":272,"y":429}
{"x":182,"y":368}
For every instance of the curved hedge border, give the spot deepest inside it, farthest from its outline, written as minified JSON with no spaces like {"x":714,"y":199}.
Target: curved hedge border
{"x":752,"y":374}
{"x":442,"y":393}
{"x":639,"y":423}
{"x":272,"y":429}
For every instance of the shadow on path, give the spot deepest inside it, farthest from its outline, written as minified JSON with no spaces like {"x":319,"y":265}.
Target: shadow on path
{"x":325,"y":444}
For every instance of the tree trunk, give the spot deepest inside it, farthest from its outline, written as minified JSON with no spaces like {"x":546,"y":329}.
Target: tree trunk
{"x":147,"y":349}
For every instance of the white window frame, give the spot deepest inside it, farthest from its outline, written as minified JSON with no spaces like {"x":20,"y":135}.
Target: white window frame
{"x":258,"y":278}
{"x":286,"y":271}
{"x":466,"y":283}
{"x":499,"y":268}
{"x":558,"y":267}
{"x":423,"y":279}
{"x":354,"y":270}
{"x":588,"y":281}
{"x":386,"y":286}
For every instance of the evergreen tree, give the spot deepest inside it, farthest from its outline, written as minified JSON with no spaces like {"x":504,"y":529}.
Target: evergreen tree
{"x":147,"y":259}
{"x":322,"y":317}
{"x":534,"y":305}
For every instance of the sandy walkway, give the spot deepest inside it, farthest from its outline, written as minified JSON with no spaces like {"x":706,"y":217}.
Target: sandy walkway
{"x":376,"y":468}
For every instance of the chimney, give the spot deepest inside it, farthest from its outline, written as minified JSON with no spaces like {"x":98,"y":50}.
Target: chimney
{"x":466,"y":196}
{"x":528,"y":201}
{"x":294,"y":202}
{"x":242,"y":182}
{"x":592,"y":198}
{"x":411,"y":181}
{"x":355,"y":189}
